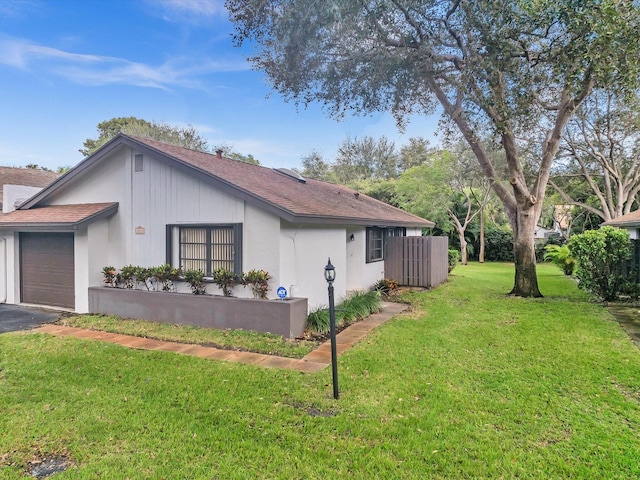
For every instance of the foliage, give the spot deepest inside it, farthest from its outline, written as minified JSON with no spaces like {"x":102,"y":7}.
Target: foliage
{"x":454,"y":258}
{"x":471,"y":384}
{"x":601,"y":156}
{"x":195,"y":279}
{"x":165,"y":275}
{"x":560,"y":256}
{"x":499,"y":70}
{"x":387,"y":287}
{"x":355,"y":307}
{"x":318,"y":321}
{"x":498,"y":245}
{"x":186,"y":137}
{"x":242,"y":340}
{"x":225,"y":280}
{"x":144,"y":276}
{"x":110,"y":275}
{"x":600,"y":256}
{"x":128,"y":275}
{"x":258,"y":280}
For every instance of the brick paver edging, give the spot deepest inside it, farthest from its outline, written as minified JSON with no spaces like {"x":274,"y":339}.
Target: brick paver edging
{"x":313,"y":362}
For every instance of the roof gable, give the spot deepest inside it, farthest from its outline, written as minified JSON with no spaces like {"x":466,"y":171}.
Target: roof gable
{"x":312,"y":201}
{"x":629,"y":220}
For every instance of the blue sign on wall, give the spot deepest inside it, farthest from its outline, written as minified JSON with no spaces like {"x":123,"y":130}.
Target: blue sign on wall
{"x":281,"y":292}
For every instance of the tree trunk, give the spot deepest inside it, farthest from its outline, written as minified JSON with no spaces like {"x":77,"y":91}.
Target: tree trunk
{"x":463,"y":248}
{"x":481,"y":254}
{"x":524,"y":253}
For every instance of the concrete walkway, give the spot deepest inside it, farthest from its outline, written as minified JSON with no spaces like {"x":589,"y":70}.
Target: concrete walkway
{"x":313,"y":362}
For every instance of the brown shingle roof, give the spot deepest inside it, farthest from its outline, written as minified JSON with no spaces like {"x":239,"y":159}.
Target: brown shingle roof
{"x":67,"y":216}
{"x":25,"y":176}
{"x":311,"y":199}
{"x":629,"y":220}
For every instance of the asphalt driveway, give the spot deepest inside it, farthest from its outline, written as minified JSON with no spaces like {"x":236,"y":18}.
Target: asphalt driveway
{"x":16,"y":317}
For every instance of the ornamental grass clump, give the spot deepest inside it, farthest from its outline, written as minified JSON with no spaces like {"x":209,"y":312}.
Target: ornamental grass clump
{"x":356,"y":306}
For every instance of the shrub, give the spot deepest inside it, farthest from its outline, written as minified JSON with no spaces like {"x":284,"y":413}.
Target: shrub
{"x":454,"y":258}
{"x":128,"y":276}
{"x":165,"y":275}
{"x":143,"y":275}
{"x":195,"y":279}
{"x":387,"y":287}
{"x":225,"y":279}
{"x":561,"y":256}
{"x":110,"y":276}
{"x":258,"y":280}
{"x":600,"y":256}
{"x":498,"y":246}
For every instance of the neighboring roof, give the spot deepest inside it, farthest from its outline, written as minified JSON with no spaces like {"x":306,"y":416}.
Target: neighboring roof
{"x":57,"y":217}
{"x":629,"y":220}
{"x":25,"y":176}
{"x":311,"y":201}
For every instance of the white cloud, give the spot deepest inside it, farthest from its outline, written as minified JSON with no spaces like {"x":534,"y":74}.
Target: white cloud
{"x":90,"y":69}
{"x":18,"y":8}
{"x":192,"y":11}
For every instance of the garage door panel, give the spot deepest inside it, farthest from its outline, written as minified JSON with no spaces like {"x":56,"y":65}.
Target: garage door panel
{"x":47,"y":269}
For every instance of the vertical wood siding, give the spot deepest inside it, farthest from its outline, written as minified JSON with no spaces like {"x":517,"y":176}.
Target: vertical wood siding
{"x":417,"y":261}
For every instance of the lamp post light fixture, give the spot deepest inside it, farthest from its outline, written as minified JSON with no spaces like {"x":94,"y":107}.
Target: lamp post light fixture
{"x":330,"y":276}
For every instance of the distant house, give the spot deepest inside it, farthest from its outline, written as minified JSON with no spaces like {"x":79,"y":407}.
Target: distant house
{"x":20,"y":184}
{"x":630,"y":222}
{"x":142,"y":202}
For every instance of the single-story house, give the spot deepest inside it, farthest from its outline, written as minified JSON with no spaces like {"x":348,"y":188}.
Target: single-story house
{"x":630,"y":222}
{"x":19,"y":184}
{"x":141,"y":202}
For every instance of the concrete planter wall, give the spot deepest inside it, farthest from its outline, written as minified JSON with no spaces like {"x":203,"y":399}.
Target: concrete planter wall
{"x":282,"y":317}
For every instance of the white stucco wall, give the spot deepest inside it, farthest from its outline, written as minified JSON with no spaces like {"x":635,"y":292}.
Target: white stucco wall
{"x":159,"y":195}
{"x":304,"y":251}
{"x":3,"y":270}
{"x":12,"y":193}
{"x":12,"y":267}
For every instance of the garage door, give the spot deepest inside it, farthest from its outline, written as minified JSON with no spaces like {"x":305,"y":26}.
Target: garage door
{"x":47,"y":269}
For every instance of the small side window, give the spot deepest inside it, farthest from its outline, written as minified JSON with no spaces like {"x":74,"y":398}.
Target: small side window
{"x":138,"y":163}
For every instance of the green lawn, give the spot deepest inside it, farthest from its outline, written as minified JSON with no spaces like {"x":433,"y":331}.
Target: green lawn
{"x":244,"y":340}
{"x":471,"y":384}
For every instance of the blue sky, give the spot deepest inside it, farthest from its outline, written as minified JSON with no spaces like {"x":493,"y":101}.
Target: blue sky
{"x":67,"y":65}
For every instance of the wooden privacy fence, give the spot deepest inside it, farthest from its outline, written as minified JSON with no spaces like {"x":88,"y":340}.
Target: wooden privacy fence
{"x":417,"y":261}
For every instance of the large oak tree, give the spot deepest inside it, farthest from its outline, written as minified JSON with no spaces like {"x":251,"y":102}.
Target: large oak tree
{"x":497,"y":66}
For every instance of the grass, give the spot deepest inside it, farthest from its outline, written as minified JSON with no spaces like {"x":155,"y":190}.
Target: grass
{"x":228,"y":339}
{"x":471,"y":384}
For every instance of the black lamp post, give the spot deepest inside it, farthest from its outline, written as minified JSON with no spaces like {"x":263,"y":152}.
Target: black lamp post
{"x":330,"y":276}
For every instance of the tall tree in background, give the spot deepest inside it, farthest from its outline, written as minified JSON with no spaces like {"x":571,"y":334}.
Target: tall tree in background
{"x":365,"y":158}
{"x":601,"y":148}
{"x":492,"y":65}
{"x":446,"y":189}
{"x":186,"y":137}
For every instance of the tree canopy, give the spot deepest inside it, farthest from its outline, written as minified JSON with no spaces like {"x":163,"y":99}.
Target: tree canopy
{"x":600,"y":168}
{"x":495,"y":67}
{"x":186,"y":137}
